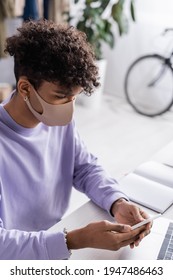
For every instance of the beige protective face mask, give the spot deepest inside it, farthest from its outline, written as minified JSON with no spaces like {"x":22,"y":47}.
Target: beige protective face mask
{"x":53,"y":115}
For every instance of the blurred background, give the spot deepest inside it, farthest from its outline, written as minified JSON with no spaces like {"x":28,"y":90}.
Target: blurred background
{"x":143,"y":35}
{"x":119,"y":136}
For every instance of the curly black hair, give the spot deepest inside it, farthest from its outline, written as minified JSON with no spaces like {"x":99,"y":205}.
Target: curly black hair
{"x":46,"y":51}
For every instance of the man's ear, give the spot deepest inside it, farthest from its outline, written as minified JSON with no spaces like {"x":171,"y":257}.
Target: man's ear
{"x":23,"y":87}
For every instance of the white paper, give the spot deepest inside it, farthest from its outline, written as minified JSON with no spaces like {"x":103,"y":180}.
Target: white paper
{"x":148,"y":193}
{"x":157,"y":172}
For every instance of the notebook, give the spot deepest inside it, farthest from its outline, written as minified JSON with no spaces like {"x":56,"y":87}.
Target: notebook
{"x":150,"y":185}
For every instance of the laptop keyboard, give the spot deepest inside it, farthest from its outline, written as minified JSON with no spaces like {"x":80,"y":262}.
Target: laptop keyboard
{"x":166,"y":250}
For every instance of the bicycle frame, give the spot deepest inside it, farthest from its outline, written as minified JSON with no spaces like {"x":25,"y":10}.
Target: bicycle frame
{"x":162,"y":71}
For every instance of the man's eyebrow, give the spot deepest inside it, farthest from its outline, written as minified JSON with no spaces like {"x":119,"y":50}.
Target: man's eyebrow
{"x":61,"y":92}
{"x":66,"y":93}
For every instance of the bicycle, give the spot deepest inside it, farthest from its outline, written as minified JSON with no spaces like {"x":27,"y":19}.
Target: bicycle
{"x":149,"y":83}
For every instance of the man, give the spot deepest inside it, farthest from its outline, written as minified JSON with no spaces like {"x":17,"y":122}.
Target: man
{"x":42,"y":155}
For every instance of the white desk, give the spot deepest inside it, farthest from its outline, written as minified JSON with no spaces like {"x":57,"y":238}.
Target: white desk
{"x":90,"y":212}
{"x":165,"y":155}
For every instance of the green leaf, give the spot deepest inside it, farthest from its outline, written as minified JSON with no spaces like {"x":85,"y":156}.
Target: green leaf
{"x":108,"y":26}
{"x":132,"y":10}
{"x":119,"y":16}
{"x":99,"y":22}
{"x":81,"y":25}
{"x":116,"y":11}
{"x":89,"y":2}
{"x":121,"y":2}
{"x":104,"y":4}
{"x":109,"y":38}
{"x":123,"y":25}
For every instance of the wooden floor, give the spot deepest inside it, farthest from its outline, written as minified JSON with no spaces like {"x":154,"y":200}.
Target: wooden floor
{"x":121,"y":138}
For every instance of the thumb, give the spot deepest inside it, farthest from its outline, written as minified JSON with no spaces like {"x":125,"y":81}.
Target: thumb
{"x":120,"y":228}
{"x":137,"y":215}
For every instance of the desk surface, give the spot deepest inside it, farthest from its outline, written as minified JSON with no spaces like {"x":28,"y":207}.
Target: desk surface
{"x":90,"y":212}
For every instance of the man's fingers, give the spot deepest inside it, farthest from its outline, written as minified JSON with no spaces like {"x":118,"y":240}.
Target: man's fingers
{"x":144,"y":233}
{"x":120,"y":228}
{"x":132,"y":242}
{"x":114,"y":227}
{"x":124,"y":233}
{"x":139,"y":239}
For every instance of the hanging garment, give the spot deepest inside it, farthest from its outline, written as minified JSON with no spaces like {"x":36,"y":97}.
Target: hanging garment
{"x":30,"y":10}
{"x":6,"y":11}
{"x":58,"y":10}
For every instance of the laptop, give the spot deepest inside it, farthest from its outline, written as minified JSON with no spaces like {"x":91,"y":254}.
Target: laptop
{"x":158,"y":245}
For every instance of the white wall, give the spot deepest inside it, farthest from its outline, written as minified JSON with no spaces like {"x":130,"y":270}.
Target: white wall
{"x":7,"y":64}
{"x":152,"y":17}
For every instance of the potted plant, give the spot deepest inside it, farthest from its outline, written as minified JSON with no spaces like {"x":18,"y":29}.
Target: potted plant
{"x":97,"y":19}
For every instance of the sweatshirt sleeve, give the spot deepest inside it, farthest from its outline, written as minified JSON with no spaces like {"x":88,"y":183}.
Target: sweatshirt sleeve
{"x":42,"y":245}
{"x":91,"y":179}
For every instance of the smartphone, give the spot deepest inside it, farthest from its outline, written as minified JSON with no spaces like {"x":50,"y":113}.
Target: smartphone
{"x":146,"y":221}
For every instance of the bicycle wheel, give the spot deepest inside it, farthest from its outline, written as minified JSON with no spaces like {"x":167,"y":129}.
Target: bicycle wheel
{"x":149,"y":85}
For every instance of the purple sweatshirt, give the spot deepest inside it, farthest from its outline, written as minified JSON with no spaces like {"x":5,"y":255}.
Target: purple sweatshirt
{"x":38,"y":168}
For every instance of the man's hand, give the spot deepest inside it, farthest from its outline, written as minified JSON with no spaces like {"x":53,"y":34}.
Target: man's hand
{"x":102,"y":235}
{"x":126,"y":212}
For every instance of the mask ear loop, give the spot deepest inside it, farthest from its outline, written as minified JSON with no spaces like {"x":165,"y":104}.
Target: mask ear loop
{"x":25,"y":98}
